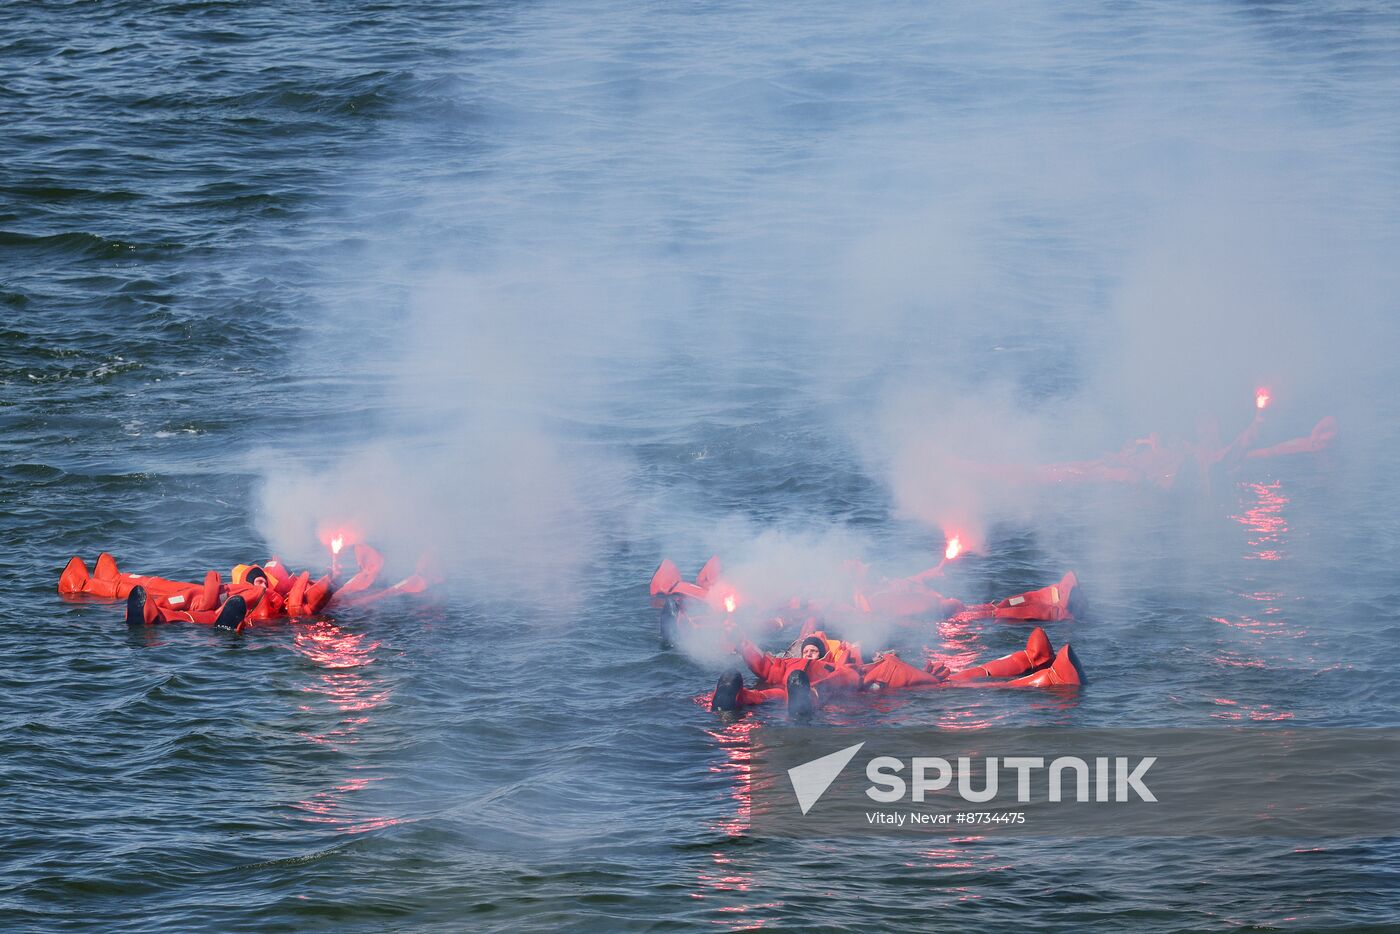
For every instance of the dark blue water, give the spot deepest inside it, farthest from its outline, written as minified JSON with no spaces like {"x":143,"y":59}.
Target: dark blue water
{"x":561,"y":290}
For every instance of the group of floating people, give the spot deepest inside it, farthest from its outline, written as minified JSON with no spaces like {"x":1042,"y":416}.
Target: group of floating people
{"x":1159,"y":462}
{"x":817,"y":668}
{"x":829,"y":668}
{"x":253,"y":593}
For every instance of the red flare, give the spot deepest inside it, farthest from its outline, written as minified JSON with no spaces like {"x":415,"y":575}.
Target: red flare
{"x":344,"y":533}
{"x":1261,"y":398}
{"x":954,"y":548}
{"x":729,"y":603}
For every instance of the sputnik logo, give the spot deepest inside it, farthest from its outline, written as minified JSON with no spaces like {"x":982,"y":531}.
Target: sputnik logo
{"x":810,"y":780}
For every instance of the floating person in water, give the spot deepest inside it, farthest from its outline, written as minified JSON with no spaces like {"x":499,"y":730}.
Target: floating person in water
{"x":232,"y":614}
{"x":811,"y":679}
{"x":269,"y":591}
{"x":1151,"y":461}
{"x":709,"y":603}
{"x":266,"y":592}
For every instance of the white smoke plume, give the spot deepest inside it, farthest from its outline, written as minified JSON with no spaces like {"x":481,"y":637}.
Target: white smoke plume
{"x":959,"y":283}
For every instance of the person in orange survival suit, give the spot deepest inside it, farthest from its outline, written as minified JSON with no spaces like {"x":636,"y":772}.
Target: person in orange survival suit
{"x":226,"y":607}
{"x":822,"y":669}
{"x":900,"y":596}
{"x":1037,"y":665}
{"x":252,"y":594}
{"x":271,"y":590}
{"x":107,"y":580}
{"x":143,"y":611}
{"x":289,"y":594}
{"x":295,"y":594}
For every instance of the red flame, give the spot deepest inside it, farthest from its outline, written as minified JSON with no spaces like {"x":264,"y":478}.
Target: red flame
{"x":954,"y":548}
{"x":729,"y":604}
{"x":347,"y":533}
{"x":1261,"y":398}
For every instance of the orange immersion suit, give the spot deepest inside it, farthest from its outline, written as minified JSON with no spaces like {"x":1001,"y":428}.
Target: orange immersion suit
{"x":1037,"y":665}
{"x":274,"y":595}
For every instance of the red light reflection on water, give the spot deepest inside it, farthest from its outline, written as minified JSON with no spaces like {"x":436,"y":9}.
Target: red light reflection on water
{"x":963,"y":633}
{"x":726,"y":878}
{"x":961,"y":648}
{"x":1229,"y":658}
{"x":1238,"y":712}
{"x":341,"y":659}
{"x":956,"y":660}
{"x":956,"y":856}
{"x":973,"y":717}
{"x":1264,"y":519}
{"x":340,"y":654}
{"x":332,"y":808}
{"x":734,"y":741}
{"x":948,"y":858}
{"x":329,"y":646}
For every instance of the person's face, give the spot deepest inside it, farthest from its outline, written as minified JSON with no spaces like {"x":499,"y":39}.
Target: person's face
{"x":811,"y":653}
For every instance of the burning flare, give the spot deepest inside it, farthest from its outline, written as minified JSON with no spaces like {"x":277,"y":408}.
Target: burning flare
{"x":1261,"y":398}
{"x":729,"y":604}
{"x":337,"y":543}
{"x":953,"y":550}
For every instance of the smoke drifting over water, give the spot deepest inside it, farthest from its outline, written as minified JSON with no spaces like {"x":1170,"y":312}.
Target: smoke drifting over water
{"x":476,"y":464}
{"x":944,"y":274}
